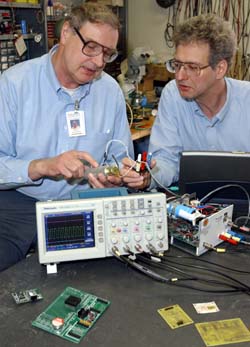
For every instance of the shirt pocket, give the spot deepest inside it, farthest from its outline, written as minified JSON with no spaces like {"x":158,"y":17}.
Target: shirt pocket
{"x":94,"y":144}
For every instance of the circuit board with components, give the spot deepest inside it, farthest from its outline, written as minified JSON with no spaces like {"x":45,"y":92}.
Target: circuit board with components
{"x":24,"y":296}
{"x":72,"y":314}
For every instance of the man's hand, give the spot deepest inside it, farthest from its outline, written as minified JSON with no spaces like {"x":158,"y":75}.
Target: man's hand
{"x":102,"y":181}
{"x":68,"y":164}
{"x":133,"y":179}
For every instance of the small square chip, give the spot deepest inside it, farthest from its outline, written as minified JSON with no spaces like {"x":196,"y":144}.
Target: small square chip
{"x":72,"y":301}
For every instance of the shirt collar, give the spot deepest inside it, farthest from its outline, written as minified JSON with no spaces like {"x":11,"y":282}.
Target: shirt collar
{"x":83,"y":90}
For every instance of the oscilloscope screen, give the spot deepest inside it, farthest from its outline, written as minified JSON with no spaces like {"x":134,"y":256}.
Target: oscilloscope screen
{"x":67,"y":231}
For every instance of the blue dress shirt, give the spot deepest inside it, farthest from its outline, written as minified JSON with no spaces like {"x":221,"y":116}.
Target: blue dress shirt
{"x":182,"y":126}
{"x":33,"y":108}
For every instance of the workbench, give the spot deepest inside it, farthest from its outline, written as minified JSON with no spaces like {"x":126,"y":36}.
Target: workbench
{"x":132,"y":319}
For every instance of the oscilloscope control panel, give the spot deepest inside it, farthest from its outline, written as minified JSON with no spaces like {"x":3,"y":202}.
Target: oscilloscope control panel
{"x":90,"y":228}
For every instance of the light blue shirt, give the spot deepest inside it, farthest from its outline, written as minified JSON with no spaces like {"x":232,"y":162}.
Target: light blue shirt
{"x":182,"y":126}
{"x":33,"y":124}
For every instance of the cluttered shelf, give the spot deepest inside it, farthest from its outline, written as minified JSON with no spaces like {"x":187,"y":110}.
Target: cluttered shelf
{"x":141,"y":111}
{"x":143,"y":102}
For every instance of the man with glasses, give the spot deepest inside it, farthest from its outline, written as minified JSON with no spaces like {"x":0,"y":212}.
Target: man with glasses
{"x":201,"y":110}
{"x":41,"y":156}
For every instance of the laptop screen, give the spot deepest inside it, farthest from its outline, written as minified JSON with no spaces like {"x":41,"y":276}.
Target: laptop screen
{"x":202,"y":172}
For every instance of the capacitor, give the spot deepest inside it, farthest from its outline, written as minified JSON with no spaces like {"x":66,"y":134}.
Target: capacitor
{"x":181,"y":211}
{"x":57,"y":323}
{"x":184,"y":212}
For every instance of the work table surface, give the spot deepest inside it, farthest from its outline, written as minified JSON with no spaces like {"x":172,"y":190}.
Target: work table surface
{"x":132,"y":319}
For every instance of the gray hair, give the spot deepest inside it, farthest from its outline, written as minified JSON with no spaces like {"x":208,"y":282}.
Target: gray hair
{"x":93,"y":13}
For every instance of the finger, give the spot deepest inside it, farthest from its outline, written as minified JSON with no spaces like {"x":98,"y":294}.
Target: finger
{"x":129,"y":173}
{"x":137,"y":182}
{"x":94,"y":182}
{"x":106,"y":180}
{"x":88,"y":158}
{"x":116,"y":181}
{"x":128,"y":162}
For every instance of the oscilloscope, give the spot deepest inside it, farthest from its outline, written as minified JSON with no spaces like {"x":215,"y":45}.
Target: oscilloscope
{"x":89,"y":228}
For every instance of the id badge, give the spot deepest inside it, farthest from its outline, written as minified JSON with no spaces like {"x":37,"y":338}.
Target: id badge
{"x":76,"y":123}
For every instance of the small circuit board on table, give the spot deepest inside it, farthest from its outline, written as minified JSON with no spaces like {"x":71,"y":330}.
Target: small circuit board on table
{"x":72,"y":314}
{"x":24,"y":296}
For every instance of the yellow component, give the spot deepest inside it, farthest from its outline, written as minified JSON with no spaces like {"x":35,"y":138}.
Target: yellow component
{"x":112,"y":171}
{"x":235,"y":238}
{"x":175,"y":316}
{"x":223,"y":332}
{"x":220,"y":250}
{"x":85,"y":323}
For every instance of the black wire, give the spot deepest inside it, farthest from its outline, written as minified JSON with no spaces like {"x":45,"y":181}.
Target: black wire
{"x":244,"y":289}
{"x":177,"y":283}
{"x":144,"y":258}
{"x":142,"y":269}
{"x":168,"y":34}
{"x":211,"y":270}
{"x":209,"y":262}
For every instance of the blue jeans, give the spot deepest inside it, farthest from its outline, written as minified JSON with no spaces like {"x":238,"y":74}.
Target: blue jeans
{"x":17,"y":226}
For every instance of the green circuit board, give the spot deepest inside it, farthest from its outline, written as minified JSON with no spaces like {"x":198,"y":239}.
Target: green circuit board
{"x":72,"y":314}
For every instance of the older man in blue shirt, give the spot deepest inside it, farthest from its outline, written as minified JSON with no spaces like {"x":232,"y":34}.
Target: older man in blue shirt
{"x":41,"y":155}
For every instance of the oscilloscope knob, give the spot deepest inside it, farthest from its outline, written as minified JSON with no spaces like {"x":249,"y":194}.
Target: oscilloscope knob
{"x":149,"y":237}
{"x":160,"y":236}
{"x":137,"y":238}
{"x":126,"y":239}
{"x":114,"y":240}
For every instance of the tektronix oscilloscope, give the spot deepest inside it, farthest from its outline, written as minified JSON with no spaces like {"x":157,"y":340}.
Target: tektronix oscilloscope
{"x":89,"y":228}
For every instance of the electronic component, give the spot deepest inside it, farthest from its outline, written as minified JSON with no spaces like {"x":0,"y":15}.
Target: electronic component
{"x":193,"y":227}
{"x":175,"y":316}
{"x":105,"y":169}
{"x":72,"y":301}
{"x":90,"y":228}
{"x":59,"y":318}
{"x":25,"y":296}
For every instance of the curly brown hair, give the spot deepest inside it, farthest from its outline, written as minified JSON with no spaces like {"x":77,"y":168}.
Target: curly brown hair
{"x":209,"y":29}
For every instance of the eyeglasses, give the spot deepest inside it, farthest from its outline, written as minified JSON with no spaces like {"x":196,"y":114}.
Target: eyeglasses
{"x":192,"y":69}
{"x":92,"y":49}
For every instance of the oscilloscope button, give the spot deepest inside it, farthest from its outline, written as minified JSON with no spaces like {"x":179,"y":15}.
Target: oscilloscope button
{"x":137,"y":238}
{"x":126,"y":239}
{"x":114,"y":240}
{"x":149,"y":236}
{"x":160,"y":236}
